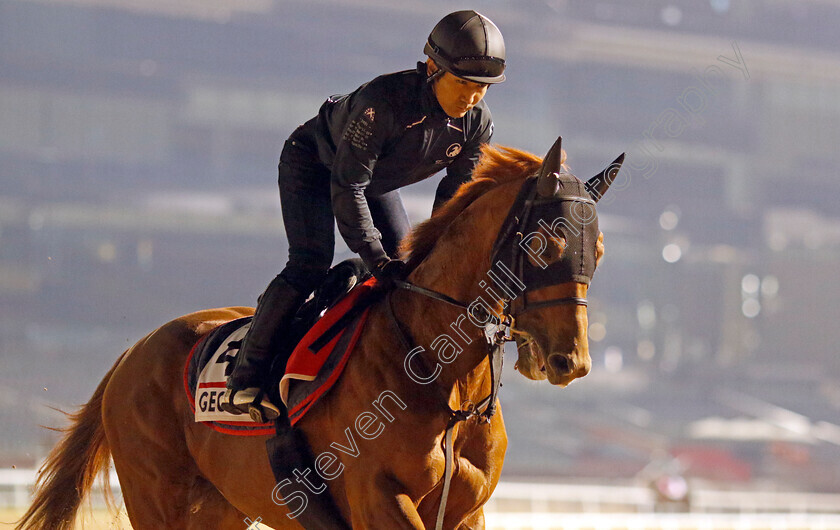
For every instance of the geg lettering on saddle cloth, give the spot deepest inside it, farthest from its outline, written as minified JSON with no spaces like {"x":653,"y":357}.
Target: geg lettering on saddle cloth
{"x":211,"y":381}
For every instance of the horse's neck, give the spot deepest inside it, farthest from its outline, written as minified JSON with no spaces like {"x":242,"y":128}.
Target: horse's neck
{"x":456,"y":267}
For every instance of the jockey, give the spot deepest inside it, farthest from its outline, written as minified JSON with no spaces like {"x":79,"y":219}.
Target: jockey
{"x":346,"y":165}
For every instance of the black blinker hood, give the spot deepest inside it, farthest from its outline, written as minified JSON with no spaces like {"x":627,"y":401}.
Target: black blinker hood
{"x":566,"y":221}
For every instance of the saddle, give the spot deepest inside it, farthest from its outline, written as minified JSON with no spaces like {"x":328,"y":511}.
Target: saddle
{"x":211,"y":361}
{"x":340,"y":280}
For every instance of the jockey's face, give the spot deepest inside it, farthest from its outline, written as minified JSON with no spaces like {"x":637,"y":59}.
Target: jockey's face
{"x":455,"y":95}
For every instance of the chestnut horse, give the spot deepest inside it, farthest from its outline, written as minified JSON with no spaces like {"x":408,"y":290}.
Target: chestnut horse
{"x":379,"y":432}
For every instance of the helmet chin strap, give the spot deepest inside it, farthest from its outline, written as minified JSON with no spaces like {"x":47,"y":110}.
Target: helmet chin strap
{"x":434,"y":75}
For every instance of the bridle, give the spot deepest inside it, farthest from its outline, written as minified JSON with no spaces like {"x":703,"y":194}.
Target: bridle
{"x":535,"y":193}
{"x":505,"y":322}
{"x":484,"y":409}
{"x":508,"y":240}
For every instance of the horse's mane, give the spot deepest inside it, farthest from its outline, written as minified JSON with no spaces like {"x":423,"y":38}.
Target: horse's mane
{"x":498,"y":165}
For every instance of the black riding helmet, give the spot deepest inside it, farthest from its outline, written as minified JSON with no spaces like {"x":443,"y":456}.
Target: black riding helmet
{"x":468,"y":45}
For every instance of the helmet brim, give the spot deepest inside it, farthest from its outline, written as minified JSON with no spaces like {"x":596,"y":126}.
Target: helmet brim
{"x":479,"y":79}
{"x":446,"y":65}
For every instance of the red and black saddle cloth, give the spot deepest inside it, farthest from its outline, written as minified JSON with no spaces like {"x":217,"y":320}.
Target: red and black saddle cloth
{"x":313,"y":368}
{"x":319,"y":358}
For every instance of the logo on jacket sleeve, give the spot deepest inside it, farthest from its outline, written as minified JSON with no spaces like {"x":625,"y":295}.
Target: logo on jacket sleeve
{"x":370,"y":113}
{"x":453,"y":150}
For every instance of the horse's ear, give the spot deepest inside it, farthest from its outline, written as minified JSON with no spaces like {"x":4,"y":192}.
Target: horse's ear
{"x":547,"y":183}
{"x":597,"y":186}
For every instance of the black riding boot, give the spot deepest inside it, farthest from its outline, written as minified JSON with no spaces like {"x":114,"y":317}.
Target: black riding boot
{"x":275,"y":309}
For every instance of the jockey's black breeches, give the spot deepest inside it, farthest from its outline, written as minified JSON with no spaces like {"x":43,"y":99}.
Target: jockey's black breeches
{"x":310,"y":224}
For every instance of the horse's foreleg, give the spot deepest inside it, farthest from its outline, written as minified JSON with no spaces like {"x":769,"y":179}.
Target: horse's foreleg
{"x":474,"y":521}
{"x":384,"y":505}
{"x":209,"y":509}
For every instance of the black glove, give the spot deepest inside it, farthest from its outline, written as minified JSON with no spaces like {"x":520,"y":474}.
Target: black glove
{"x":388,"y":270}
{"x":372,"y":255}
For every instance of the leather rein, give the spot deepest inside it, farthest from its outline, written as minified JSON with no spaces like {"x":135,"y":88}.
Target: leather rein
{"x":486,"y":408}
{"x":505,"y":329}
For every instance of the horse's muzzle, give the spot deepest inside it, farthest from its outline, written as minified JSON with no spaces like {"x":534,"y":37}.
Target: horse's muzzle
{"x":562,"y":369}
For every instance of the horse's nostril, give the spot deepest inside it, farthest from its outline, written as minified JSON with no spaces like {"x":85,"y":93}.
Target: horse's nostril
{"x":560,"y":364}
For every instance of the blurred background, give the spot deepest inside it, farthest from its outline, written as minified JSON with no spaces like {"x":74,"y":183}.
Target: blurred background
{"x":138,"y":149}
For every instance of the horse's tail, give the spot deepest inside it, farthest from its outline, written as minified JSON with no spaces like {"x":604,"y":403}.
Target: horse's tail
{"x":67,"y":475}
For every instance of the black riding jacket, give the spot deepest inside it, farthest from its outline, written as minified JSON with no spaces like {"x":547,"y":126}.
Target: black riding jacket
{"x":388,"y":133}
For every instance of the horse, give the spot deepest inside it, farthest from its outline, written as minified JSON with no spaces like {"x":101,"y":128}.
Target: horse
{"x":379,"y":432}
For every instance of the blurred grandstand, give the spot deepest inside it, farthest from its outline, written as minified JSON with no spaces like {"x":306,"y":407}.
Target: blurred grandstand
{"x":137,"y":150}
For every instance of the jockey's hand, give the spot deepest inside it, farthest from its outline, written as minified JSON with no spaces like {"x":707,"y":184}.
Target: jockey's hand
{"x":388,"y":270}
